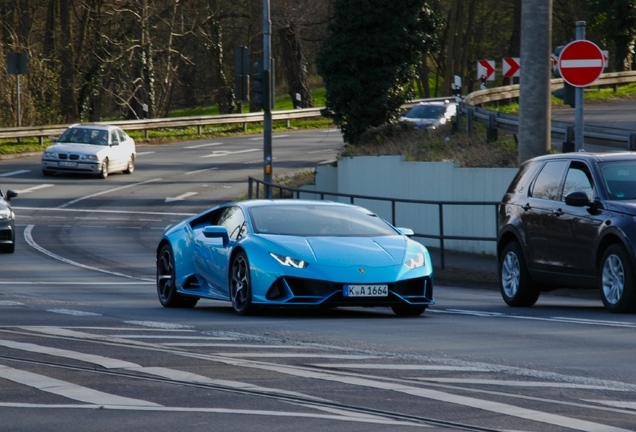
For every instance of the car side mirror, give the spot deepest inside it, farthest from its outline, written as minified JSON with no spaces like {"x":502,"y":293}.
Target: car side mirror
{"x":217,"y":231}
{"x":406,"y":231}
{"x":577,"y":199}
{"x":11,"y":194}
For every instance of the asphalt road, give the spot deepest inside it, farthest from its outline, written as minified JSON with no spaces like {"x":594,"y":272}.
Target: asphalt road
{"x":85,"y":344}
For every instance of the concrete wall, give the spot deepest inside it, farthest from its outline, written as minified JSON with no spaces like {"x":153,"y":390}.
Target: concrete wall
{"x":394,"y":177}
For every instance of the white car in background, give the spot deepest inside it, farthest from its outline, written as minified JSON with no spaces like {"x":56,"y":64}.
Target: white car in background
{"x":429,"y":115}
{"x":92,"y":149}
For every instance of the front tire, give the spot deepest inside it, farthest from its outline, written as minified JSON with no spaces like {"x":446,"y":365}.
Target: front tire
{"x":408,"y":310}
{"x":240,"y":285}
{"x":617,"y":280}
{"x":104,"y":171}
{"x":166,"y":282}
{"x":514,"y":281}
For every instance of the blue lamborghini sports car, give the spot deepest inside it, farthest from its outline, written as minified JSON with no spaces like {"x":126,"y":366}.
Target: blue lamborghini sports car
{"x":285,"y":253}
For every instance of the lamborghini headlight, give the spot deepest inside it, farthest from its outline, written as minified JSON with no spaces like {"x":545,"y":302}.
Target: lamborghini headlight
{"x":289,"y":261}
{"x":5,"y":214}
{"x":415,"y":262}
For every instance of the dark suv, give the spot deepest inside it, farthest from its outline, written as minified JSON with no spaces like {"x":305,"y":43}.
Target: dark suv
{"x":569,"y":220}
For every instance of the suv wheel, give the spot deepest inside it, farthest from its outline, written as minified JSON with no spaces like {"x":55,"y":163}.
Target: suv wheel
{"x":514,"y":280}
{"x":617,"y":280}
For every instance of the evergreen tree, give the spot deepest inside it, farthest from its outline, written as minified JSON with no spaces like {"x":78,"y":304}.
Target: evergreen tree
{"x":367,"y":61}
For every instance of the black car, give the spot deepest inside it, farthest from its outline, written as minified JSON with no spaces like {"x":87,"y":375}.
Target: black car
{"x":7,"y":223}
{"x":569,"y":220}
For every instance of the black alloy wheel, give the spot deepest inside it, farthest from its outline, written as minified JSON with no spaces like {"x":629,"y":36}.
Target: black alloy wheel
{"x":515,"y":284}
{"x":240,"y":285}
{"x":166,"y":288}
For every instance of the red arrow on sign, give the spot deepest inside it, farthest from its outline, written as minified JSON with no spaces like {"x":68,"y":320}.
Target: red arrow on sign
{"x":581,"y":63}
{"x":485,"y":68}
{"x":511,"y":67}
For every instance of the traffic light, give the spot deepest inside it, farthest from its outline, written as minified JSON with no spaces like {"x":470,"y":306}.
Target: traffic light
{"x":567,"y":93}
{"x":260,"y":86}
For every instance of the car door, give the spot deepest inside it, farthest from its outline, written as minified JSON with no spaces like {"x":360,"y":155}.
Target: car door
{"x":212,"y":256}
{"x":576,"y":228}
{"x":118,"y":159}
{"x":537,"y":220}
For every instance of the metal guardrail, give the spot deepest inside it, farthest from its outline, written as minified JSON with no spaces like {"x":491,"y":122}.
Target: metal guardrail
{"x":597,"y":135}
{"x":254,"y":190}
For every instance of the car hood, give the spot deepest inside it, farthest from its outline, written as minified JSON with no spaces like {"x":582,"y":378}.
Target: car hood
{"x":344,"y":251}
{"x":89,"y":149}
{"x":627,"y":207}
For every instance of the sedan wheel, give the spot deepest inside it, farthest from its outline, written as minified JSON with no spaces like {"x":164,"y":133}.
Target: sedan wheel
{"x":240,"y":287}
{"x":104,"y":171}
{"x":131,"y":165}
{"x":617,"y":281}
{"x":514,"y":281}
{"x":166,"y":288}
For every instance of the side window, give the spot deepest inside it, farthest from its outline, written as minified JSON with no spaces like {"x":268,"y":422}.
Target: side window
{"x":578,"y":178}
{"x":233,"y":219}
{"x":115,"y":138}
{"x":122,"y":135}
{"x":548,"y":183}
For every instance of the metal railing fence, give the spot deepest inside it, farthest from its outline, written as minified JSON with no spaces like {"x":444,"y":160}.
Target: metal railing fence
{"x":254,"y":192}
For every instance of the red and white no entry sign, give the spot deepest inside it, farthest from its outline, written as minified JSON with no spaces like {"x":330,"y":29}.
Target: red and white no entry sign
{"x":581,"y":63}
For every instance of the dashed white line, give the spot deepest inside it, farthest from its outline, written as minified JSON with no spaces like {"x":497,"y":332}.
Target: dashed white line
{"x":13,"y":173}
{"x":181,"y":197}
{"x":203,"y":145}
{"x":34,"y":188}
{"x":145,"y":153}
{"x":228,"y":153}
{"x":73,"y":312}
{"x":10,"y":303}
{"x":106,"y":192}
{"x":201,"y":170}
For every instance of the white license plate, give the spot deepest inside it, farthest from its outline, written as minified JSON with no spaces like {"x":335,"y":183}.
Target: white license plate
{"x":68,"y":164}
{"x":366,"y":290}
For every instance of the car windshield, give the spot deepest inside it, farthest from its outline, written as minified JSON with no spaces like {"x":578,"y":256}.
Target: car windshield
{"x":84,"y":136}
{"x":620,"y":179}
{"x":318,"y":221}
{"x":426,"y":111}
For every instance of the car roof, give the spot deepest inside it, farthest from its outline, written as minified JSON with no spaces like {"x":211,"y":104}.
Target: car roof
{"x":289,"y":202}
{"x":589,"y":156}
{"x":93,"y":126}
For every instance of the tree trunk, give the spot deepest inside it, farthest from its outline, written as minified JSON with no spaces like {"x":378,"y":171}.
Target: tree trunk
{"x":294,"y":67}
{"x":451,"y":40}
{"x":225,"y":94}
{"x":68,"y":101}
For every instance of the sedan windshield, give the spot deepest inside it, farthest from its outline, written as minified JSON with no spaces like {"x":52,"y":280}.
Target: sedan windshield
{"x":620,"y":179}
{"x":426,"y":112}
{"x":84,"y":136}
{"x":320,"y":220}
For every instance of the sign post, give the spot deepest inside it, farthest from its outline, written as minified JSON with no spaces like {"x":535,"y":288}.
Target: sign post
{"x":580,"y":63}
{"x":17,"y":65}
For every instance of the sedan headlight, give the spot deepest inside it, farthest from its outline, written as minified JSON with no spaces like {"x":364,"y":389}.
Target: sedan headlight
{"x":50,"y":155}
{"x":5,"y":214}
{"x":89,"y":157}
{"x":415,"y":262}
{"x":289,"y":261}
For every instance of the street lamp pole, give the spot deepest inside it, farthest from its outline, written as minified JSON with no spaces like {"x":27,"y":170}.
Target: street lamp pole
{"x":267,"y":120}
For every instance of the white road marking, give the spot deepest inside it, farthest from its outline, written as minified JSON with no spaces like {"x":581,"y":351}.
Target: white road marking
{"x":513,"y":383}
{"x":298,"y":355}
{"x":29,"y":239}
{"x":602,"y":323}
{"x":162,"y":325}
{"x":150,"y":220}
{"x":273,"y":136}
{"x":181,"y":197}
{"x":228,"y":153}
{"x":351,"y":418}
{"x":203,"y":145}
{"x":202,"y":170}
{"x":617,"y":404}
{"x":399,"y":367}
{"x":88,"y":283}
{"x":57,"y":209}
{"x":34,"y":188}
{"x":140,"y":336}
{"x":145,"y":153}
{"x":230,"y":345}
{"x":107,"y":192}
{"x":9,"y":174}
{"x":73,"y":312}
{"x":68,"y":390}
{"x":9,"y":302}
